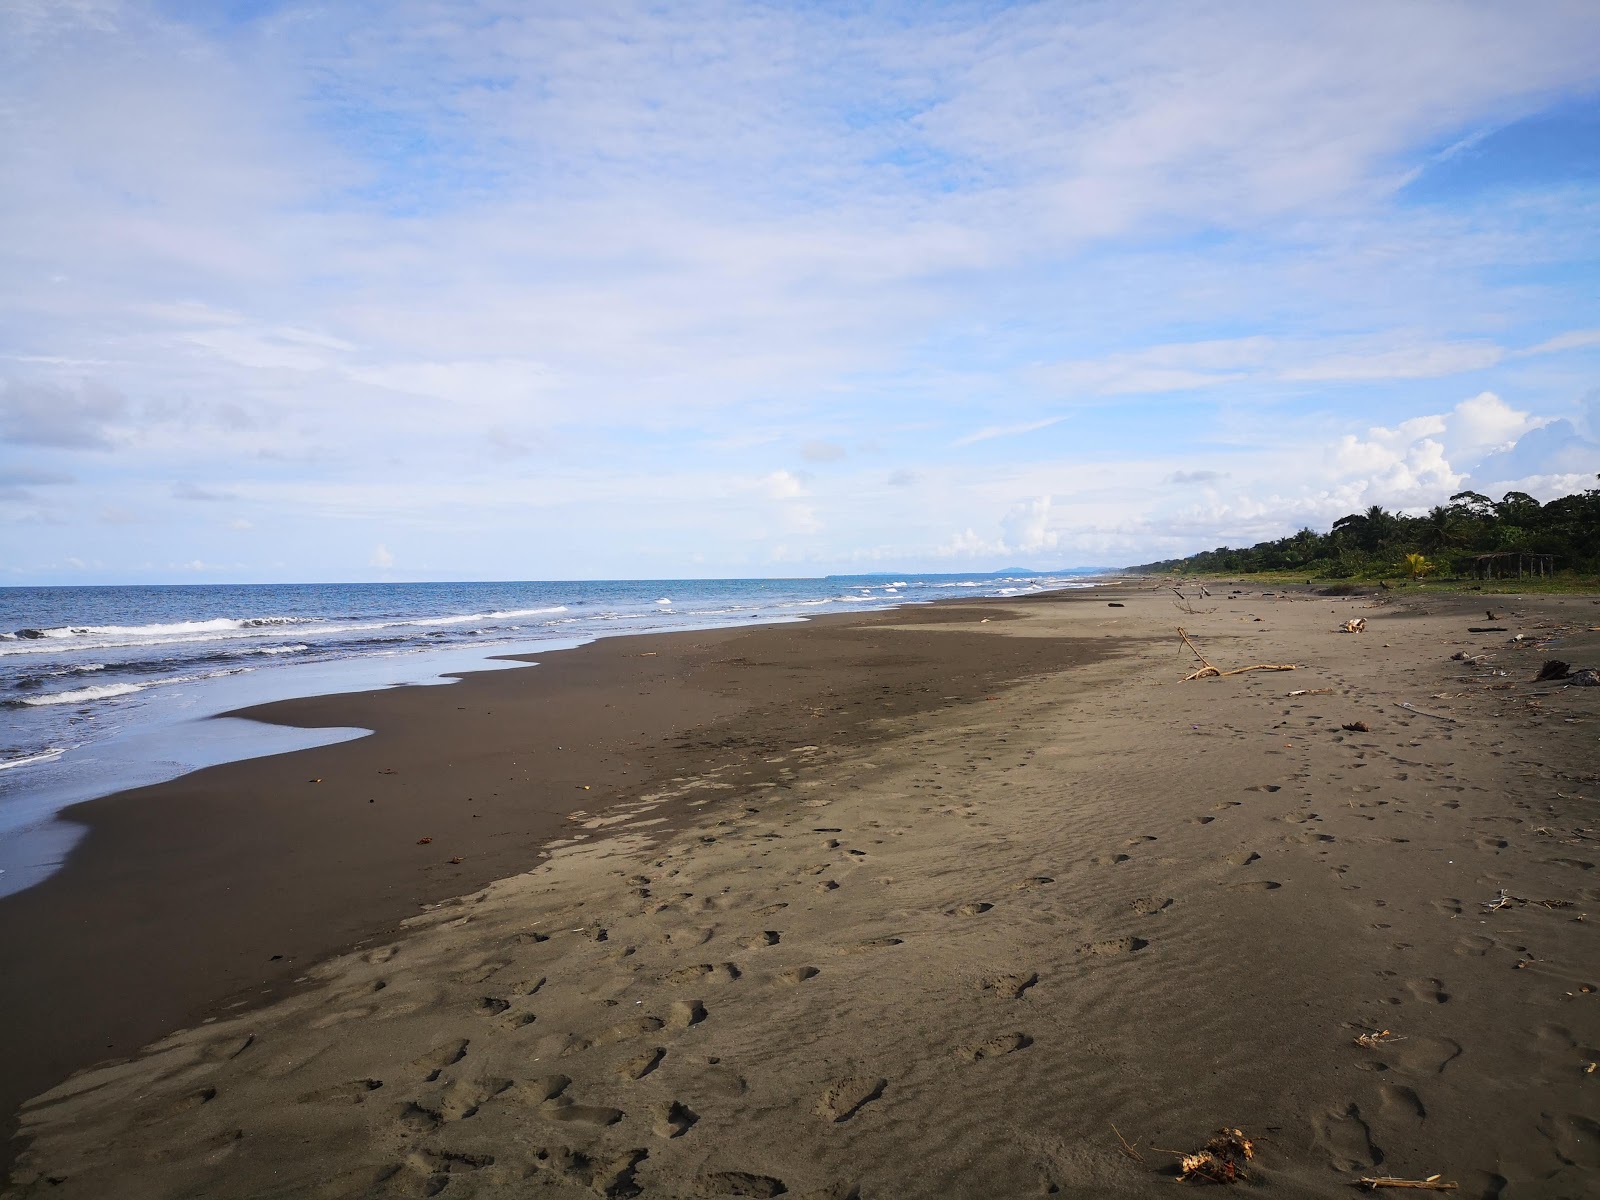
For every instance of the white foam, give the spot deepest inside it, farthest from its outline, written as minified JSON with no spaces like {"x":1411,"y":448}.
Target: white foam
{"x":664,"y":600}
{"x":104,"y":691}
{"x":49,"y":755}
{"x":111,"y":691}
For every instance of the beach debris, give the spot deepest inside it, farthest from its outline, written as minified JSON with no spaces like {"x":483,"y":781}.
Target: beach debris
{"x":1206,"y":670}
{"x":1377,"y":1037}
{"x":423,"y":841}
{"x":1410,"y":707}
{"x":1588,"y":677}
{"x":1354,"y":625}
{"x":1134,"y":1154}
{"x":1220,"y":1160}
{"x":1115,"y":604}
{"x":1503,"y":900}
{"x":1433,"y":1183}
{"x":1486,"y":629}
{"x":1590,"y":1068}
{"x":1489,"y":612}
{"x":1356,"y":727}
{"x":457,"y":861}
{"x":1312,"y":692}
{"x":387,"y":771}
{"x":1553,"y":668}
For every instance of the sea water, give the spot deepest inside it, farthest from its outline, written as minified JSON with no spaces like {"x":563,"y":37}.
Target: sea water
{"x":105,"y":688}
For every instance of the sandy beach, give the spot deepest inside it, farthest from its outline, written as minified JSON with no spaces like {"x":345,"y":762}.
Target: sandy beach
{"x":976,"y":899}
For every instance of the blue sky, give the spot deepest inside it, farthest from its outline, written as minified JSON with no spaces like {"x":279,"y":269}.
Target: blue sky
{"x":484,"y":289}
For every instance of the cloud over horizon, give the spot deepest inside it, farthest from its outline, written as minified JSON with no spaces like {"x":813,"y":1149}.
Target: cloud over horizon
{"x":607,"y":289}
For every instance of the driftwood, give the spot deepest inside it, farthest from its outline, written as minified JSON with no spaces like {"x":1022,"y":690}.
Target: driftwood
{"x":1207,"y":671}
{"x":1423,"y":1185}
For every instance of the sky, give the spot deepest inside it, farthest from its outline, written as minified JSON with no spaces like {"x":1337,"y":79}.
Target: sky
{"x":489,"y":289}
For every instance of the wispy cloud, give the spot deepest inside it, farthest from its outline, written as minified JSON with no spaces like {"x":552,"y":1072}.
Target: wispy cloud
{"x":607,"y":275}
{"x":990,"y":432}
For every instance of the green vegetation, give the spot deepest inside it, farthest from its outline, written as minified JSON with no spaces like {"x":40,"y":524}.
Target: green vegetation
{"x":1377,"y":544}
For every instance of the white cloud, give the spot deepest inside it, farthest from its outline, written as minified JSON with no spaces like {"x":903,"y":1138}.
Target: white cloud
{"x":381,"y":557}
{"x":309,"y":251}
{"x":990,"y":432}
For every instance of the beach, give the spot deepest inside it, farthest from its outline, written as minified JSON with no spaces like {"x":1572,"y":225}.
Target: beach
{"x":978,"y":898}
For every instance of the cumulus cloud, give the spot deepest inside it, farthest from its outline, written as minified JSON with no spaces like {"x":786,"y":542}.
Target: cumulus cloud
{"x":381,"y":557}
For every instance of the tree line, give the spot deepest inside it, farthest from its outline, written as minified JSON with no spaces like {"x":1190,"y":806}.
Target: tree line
{"x":1444,"y":540}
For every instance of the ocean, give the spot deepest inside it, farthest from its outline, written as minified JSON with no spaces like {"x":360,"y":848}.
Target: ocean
{"x":107,"y":688}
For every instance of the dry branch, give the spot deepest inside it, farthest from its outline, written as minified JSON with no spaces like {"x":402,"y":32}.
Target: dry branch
{"x":1433,"y":1183}
{"x":1207,"y":671}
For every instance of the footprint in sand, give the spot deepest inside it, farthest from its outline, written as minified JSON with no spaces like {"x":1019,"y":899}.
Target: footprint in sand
{"x":641,"y":1065}
{"x":1255,"y":885}
{"x":767,"y":937}
{"x":628,"y":1030}
{"x":194,"y":1100}
{"x":1243,"y":858}
{"x":1429,"y":991}
{"x":1576,"y":1139}
{"x":685,"y":1013}
{"x":1006,"y":1043}
{"x":1265,"y":787}
{"x":594,"y":1115}
{"x":1110,"y":946}
{"x":447,"y":1054}
{"x":457,"y":1101}
{"x":226,"y":1049}
{"x":428,"y":1172}
{"x":1009,"y":987}
{"x":1400,"y":1105}
{"x":704,"y":972}
{"x":798,"y":975}
{"x":873,"y":944}
{"x":738,"y":1183}
{"x":1149,"y":906}
{"x":674,"y":1119}
{"x":1109,"y":860}
{"x":1346,"y":1139}
{"x":1034,"y":881}
{"x":975,"y":908}
{"x":354,"y":1092}
{"x":846,"y":1097}
{"x":609,"y":1177}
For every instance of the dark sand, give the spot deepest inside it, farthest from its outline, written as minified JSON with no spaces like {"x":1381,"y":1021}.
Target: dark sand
{"x":928,"y":904}
{"x":220,"y":888}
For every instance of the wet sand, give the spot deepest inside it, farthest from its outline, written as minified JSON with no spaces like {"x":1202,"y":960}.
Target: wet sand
{"x":220,"y":888}
{"x":917,"y":904}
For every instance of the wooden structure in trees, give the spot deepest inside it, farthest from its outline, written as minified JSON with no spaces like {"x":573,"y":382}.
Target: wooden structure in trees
{"x":1484,"y":565}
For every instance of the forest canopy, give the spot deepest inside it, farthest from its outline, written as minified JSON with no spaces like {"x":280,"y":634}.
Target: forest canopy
{"x":1446,"y":540}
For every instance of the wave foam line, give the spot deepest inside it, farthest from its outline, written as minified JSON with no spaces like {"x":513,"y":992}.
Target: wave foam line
{"x":49,"y":755}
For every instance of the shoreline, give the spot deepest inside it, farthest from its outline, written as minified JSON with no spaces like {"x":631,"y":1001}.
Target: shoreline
{"x":864,"y":940}
{"x":240,"y":875}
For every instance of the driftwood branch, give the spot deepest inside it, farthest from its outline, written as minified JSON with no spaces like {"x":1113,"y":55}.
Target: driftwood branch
{"x":1432,"y":1183}
{"x":1207,"y":671}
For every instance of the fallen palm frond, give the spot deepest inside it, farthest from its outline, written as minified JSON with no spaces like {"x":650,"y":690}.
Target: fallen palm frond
{"x":1221,"y":1160}
{"x":1207,"y":671}
{"x":1433,"y":1183}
